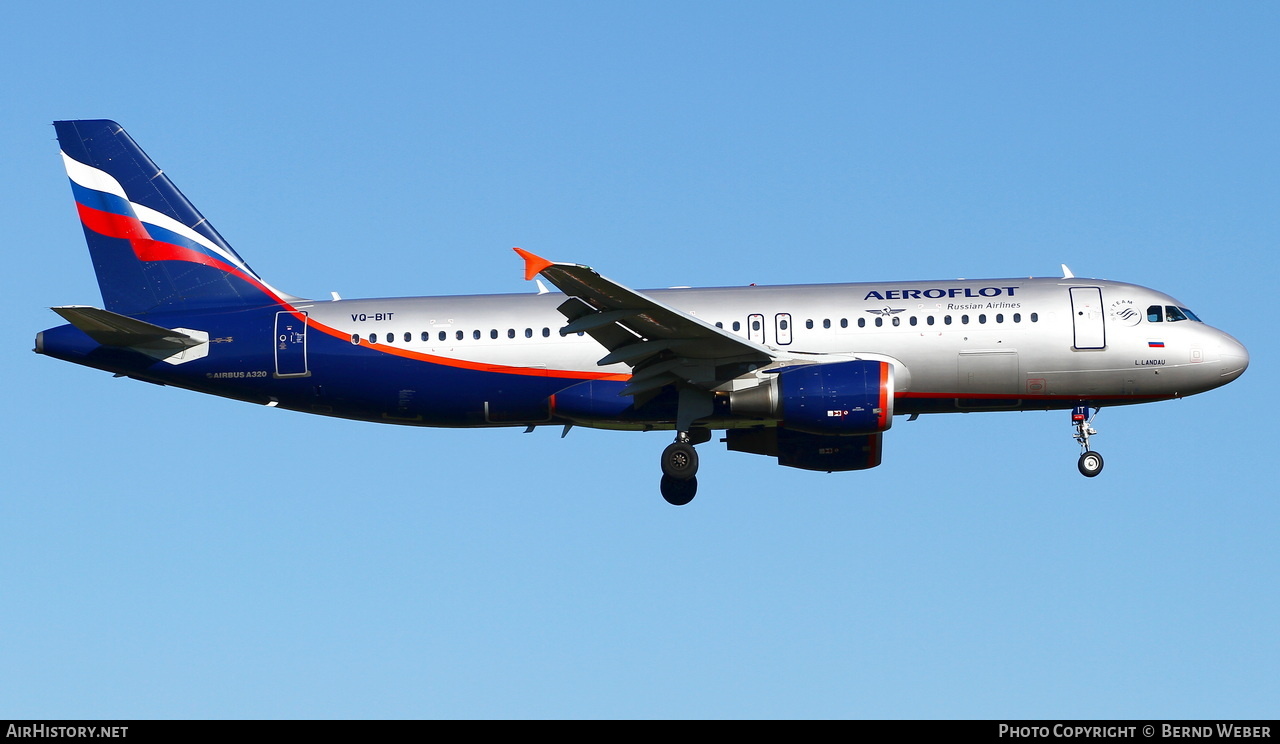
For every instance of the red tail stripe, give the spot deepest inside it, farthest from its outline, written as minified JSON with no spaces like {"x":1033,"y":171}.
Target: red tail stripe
{"x":122,"y":226}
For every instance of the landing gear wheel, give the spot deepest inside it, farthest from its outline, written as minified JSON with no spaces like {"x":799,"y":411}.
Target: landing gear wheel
{"x":679,"y":491}
{"x":1090,"y":464}
{"x":679,"y":461}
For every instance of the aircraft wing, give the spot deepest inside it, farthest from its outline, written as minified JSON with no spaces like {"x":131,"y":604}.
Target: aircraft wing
{"x":661,"y":344}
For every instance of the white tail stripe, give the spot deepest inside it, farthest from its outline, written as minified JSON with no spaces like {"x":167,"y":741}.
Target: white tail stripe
{"x":92,"y":178}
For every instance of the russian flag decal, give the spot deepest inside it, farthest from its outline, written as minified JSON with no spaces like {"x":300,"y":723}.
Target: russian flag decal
{"x":1156,"y":344}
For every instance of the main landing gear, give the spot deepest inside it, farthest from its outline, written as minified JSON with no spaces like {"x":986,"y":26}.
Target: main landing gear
{"x":1090,"y":463}
{"x":680,"y":468}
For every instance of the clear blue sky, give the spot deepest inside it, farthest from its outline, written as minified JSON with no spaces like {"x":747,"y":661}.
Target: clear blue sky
{"x":165,"y":554}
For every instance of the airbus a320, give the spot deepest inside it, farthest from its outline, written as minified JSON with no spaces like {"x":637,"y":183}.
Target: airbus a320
{"x":812,"y":375}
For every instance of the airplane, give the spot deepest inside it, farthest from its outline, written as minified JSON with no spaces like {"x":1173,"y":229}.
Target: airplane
{"x":812,"y":375}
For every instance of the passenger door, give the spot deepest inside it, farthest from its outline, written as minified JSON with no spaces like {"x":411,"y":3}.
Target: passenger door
{"x":1087,"y":318}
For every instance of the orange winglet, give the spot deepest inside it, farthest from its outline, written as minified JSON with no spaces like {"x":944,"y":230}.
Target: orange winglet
{"x":533,"y":265}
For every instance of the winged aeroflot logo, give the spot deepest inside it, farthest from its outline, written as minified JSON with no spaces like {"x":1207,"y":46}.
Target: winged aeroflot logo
{"x":888,"y":311}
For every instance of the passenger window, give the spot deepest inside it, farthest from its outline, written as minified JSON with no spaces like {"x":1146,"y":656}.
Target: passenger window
{"x":826,"y":322}
{"x":355,"y":338}
{"x":737,"y":326}
{"x":898,"y":321}
{"x":444,"y":335}
{"x":844,"y":322}
{"x":409,"y":337}
{"x":475,"y":334}
{"x":719,"y":324}
{"x":947,"y":320}
{"x":493,"y":333}
{"x":1155,"y":314}
{"x":862,"y":322}
{"x":459,"y":335}
{"x":528,"y":333}
{"x":1017,"y":317}
{"x":426,"y":336}
{"x":511,"y":333}
{"x":1035,"y":317}
{"x":914,"y":320}
{"x":879,"y":322}
{"x":783,"y":325}
{"x":999,"y":317}
{"x":546,"y":332}
{"x":929,"y":320}
{"x":755,"y":325}
{"x":373,"y":338}
{"x":982,"y":318}
{"x":964,"y":319}
{"x":809,"y":324}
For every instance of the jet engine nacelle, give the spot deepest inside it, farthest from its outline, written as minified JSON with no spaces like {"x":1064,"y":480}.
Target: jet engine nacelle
{"x":834,"y":399}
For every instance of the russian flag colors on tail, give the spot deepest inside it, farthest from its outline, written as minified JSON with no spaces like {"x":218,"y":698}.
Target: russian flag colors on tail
{"x":152,"y":249}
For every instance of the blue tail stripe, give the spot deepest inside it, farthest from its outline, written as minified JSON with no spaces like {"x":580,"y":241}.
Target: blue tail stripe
{"x":168,"y":236}
{"x":100,"y":200}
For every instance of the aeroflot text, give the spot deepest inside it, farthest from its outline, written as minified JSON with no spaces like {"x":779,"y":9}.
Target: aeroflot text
{"x":1167,"y":731}
{"x":934,"y":294}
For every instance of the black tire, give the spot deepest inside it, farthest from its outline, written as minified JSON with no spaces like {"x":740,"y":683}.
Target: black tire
{"x":1090,"y":464}
{"x":679,"y":492}
{"x":680,"y":461}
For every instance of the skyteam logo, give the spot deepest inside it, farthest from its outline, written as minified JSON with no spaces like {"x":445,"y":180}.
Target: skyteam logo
{"x":1123,"y":312}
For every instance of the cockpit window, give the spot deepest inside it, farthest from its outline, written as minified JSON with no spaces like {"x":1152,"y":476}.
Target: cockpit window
{"x":1169,"y":313}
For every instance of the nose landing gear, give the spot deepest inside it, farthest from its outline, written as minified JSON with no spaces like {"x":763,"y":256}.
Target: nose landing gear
{"x":1090,"y":463}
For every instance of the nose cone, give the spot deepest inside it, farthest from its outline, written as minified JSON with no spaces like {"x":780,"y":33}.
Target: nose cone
{"x":1234,"y":358}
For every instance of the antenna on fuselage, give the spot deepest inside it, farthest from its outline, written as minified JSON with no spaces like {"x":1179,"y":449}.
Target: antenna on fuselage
{"x":1066,"y":273}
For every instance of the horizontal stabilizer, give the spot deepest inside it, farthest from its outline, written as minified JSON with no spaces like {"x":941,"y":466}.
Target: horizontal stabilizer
{"x":114,"y":329}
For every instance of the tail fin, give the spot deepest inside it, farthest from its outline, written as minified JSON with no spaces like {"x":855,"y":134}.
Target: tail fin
{"x":152,"y":250}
